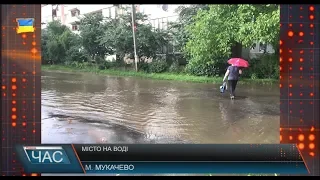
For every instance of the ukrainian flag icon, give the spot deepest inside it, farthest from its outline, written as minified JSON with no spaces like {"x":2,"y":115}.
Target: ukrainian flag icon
{"x":25,"y":25}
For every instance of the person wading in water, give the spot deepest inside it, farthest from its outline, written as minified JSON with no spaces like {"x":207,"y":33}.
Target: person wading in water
{"x":233,"y":73}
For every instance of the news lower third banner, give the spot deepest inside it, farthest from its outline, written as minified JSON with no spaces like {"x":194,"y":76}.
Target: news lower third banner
{"x":162,"y":158}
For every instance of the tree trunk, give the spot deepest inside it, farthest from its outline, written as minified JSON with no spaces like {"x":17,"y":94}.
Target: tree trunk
{"x":236,"y":50}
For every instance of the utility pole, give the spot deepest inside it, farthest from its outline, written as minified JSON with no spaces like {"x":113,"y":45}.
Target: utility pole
{"x":134,"y":36}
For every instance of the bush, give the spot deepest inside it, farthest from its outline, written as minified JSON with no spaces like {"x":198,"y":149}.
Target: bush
{"x":265,"y":66}
{"x":99,"y":60}
{"x":215,"y":67}
{"x":200,"y":69}
{"x":158,"y":66}
{"x":253,"y":76}
{"x":104,"y":65}
{"x":74,"y":55}
{"x":171,"y":58}
{"x":109,"y":65}
{"x":77,"y":64}
{"x":119,"y":63}
{"x":143,"y":66}
{"x":174,"y":68}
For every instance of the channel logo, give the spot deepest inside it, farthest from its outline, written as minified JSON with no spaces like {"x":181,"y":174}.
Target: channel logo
{"x":46,"y":155}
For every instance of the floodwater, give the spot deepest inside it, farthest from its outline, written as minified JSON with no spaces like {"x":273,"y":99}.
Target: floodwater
{"x":88,"y":108}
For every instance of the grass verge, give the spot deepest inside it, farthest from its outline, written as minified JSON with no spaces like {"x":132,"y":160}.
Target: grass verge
{"x":157,"y":76}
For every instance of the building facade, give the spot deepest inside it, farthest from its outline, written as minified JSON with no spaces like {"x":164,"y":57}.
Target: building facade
{"x":160,"y":15}
{"x":70,"y":15}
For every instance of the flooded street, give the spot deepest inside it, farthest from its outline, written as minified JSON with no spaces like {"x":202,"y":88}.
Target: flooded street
{"x":88,"y":108}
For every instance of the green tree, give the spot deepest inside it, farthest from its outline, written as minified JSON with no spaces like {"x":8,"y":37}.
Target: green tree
{"x":118,"y":36}
{"x":72,"y":44}
{"x":221,"y":27}
{"x":91,"y":29}
{"x":55,"y":50}
{"x":178,"y":30}
{"x":259,"y":23}
{"x":59,"y":44}
{"x":44,"y":49}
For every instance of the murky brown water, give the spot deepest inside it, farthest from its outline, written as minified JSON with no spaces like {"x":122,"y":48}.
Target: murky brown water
{"x":88,"y":108}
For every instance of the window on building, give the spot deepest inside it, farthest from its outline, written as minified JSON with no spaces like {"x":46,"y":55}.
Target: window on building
{"x":75,"y":12}
{"x":97,"y":12}
{"x":75,"y":27}
{"x":254,"y":46}
{"x":54,"y":13}
{"x":262,"y":47}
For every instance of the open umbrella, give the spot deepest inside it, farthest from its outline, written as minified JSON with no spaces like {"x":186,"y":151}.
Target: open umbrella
{"x":238,"y":62}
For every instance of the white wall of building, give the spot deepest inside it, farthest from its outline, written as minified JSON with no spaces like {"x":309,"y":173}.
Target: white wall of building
{"x":64,"y":13}
{"x":256,"y":51}
{"x":46,"y":15}
{"x":158,"y":10}
{"x":160,"y":14}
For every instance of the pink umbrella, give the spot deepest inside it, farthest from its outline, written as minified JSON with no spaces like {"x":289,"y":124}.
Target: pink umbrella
{"x":238,"y":62}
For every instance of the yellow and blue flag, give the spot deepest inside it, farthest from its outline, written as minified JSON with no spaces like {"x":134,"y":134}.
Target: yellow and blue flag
{"x":25,"y":25}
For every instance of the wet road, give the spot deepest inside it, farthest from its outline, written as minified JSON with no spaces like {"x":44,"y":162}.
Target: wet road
{"x":88,"y":108}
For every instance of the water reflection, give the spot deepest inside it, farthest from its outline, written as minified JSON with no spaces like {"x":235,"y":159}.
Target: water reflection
{"x":88,"y":108}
